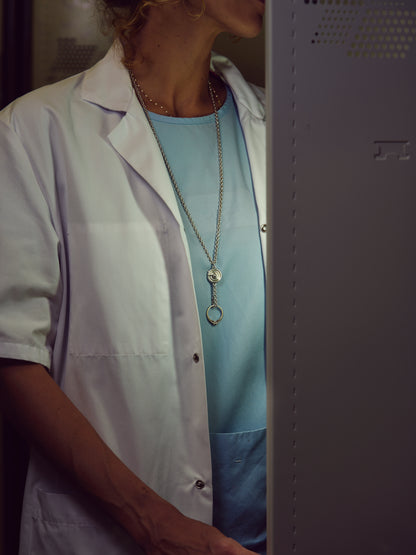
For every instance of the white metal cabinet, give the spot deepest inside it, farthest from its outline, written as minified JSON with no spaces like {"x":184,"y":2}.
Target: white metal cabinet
{"x":342,"y":299}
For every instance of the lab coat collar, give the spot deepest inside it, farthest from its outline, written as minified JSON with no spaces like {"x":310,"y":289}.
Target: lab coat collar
{"x":107,"y":84}
{"x":244,"y":94}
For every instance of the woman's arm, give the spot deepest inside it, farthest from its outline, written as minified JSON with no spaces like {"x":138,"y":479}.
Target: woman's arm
{"x":46,"y":417}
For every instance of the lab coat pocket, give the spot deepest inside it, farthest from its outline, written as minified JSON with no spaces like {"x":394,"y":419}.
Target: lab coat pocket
{"x":70,"y":525}
{"x":239,"y":485}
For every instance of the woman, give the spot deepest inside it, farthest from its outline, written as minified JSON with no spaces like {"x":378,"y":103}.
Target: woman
{"x":130,"y":243}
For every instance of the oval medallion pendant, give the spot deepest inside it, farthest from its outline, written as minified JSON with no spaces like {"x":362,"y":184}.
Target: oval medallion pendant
{"x":220,"y":314}
{"x":214,"y":275}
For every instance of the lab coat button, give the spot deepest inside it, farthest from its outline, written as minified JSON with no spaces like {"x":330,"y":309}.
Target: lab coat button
{"x":264,"y":228}
{"x":196,"y":357}
{"x":199,"y":484}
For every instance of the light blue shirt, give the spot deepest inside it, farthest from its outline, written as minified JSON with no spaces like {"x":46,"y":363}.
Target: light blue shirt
{"x":234,"y":348}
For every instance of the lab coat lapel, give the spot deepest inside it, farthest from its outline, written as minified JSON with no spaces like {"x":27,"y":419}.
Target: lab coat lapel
{"x":108,"y":85}
{"x":254,"y":134}
{"x":252,"y":118}
{"x":135,"y":142}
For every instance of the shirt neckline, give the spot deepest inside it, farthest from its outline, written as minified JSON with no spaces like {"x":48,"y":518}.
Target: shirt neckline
{"x":196,"y":120}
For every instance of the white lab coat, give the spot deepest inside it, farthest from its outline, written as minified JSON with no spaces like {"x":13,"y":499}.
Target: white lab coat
{"x":99,"y":270}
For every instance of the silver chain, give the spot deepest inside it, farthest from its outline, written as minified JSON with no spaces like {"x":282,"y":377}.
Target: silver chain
{"x":214,"y":275}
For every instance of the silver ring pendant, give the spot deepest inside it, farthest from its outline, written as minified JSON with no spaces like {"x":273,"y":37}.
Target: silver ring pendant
{"x":221,"y":314}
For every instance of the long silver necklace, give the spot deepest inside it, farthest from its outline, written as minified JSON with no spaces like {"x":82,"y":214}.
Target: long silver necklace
{"x":214,"y":312}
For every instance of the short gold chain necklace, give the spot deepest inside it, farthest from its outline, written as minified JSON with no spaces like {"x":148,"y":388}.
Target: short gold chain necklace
{"x":214,"y":312}
{"x":146,"y":98}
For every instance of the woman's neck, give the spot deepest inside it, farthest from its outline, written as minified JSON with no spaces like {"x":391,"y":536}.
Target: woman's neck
{"x":172,"y":60}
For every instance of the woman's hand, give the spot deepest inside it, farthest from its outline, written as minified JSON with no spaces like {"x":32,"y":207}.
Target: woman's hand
{"x":175,"y":534}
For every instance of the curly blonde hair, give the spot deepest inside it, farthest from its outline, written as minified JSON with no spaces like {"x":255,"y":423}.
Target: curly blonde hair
{"x":126,"y":17}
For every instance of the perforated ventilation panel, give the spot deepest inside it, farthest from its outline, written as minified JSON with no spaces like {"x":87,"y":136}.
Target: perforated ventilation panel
{"x":72,"y":57}
{"x":374,"y":29}
{"x":66,"y":39}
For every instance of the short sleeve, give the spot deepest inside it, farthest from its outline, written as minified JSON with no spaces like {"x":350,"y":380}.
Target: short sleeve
{"x":30,"y":284}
